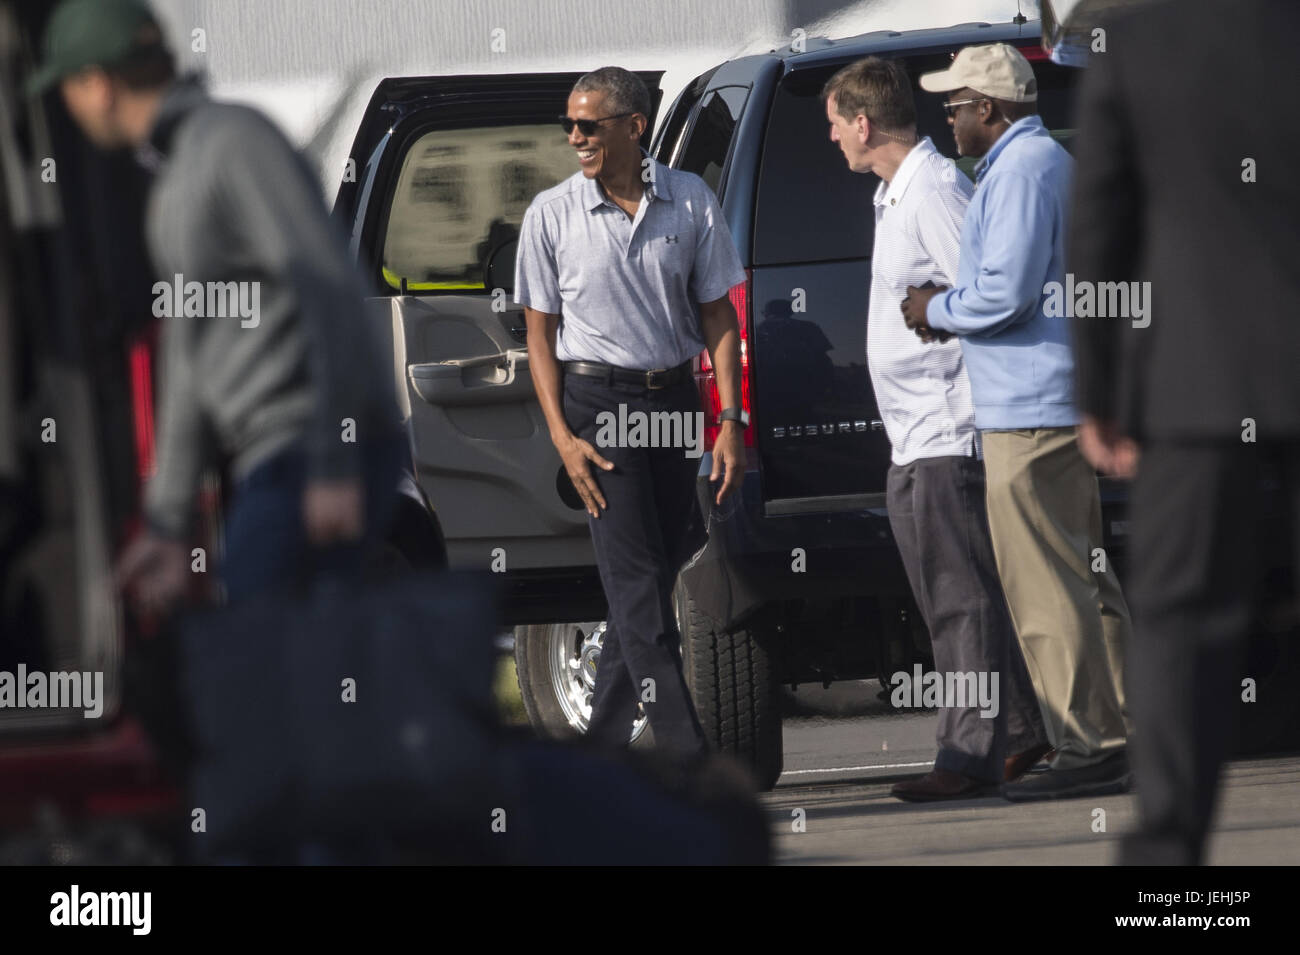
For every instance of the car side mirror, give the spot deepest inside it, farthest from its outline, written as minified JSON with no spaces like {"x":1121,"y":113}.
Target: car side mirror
{"x":500,"y":271}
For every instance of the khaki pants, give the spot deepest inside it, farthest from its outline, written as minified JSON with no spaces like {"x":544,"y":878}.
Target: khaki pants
{"x":1072,"y":622}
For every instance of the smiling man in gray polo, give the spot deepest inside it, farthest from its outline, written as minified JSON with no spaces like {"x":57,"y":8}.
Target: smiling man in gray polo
{"x":623,"y":271}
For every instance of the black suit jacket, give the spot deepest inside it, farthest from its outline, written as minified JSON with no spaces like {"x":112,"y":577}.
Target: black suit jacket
{"x":1185,"y":93}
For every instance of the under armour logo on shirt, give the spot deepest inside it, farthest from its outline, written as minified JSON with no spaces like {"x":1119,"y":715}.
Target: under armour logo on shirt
{"x":670,"y":238}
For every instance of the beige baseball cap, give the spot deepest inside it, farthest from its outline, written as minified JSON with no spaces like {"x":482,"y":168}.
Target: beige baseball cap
{"x":996,"y":69}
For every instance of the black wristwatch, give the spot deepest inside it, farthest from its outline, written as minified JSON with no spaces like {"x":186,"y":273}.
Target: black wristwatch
{"x":734,"y":414}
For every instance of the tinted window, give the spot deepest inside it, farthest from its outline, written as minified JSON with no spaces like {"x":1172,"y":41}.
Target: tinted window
{"x":706,"y":149}
{"x":668,"y":139}
{"x":811,"y":208}
{"x":461,"y":194}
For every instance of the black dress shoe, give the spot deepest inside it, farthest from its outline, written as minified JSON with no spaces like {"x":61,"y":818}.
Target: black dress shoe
{"x":941,"y":784}
{"x":1106,"y":778}
{"x":1020,"y":763}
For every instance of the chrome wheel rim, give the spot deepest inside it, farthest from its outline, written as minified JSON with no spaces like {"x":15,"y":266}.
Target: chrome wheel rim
{"x":574,"y":658}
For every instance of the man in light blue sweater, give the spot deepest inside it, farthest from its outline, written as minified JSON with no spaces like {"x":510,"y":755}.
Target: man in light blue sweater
{"x":1043,"y":504}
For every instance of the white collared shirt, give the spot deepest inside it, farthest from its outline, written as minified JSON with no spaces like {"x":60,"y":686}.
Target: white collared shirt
{"x":921,"y":390}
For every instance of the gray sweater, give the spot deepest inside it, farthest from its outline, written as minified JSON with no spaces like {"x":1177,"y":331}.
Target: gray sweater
{"x":271,"y":348}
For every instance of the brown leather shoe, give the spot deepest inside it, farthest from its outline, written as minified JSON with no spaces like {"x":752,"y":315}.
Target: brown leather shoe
{"x":940,"y":784}
{"x":1020,"y":763}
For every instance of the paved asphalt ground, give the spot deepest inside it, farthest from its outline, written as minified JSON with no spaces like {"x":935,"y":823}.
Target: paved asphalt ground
{"x":844,"y":747}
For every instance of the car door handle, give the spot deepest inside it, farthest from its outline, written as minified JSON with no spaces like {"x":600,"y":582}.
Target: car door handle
{"x":487,"y":379}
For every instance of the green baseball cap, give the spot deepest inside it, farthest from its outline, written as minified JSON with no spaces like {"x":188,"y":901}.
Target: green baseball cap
{"x":84,"y":33}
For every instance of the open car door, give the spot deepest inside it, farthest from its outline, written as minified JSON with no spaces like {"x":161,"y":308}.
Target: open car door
{"x":446,"y":167}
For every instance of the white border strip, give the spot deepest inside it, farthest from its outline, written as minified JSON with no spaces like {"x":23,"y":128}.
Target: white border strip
{"x":855,"y":769}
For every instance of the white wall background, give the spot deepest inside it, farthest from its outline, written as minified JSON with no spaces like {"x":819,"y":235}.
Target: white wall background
{"x":305,"y":61}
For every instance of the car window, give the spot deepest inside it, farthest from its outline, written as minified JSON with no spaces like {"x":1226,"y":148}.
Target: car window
{"x":461,"y":194}
{"x":811,"y":208}
{"x":668,"y":140}
{"x":710,"y":137}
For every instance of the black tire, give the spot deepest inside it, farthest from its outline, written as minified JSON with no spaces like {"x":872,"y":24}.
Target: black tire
{"x":733,"y":679}
{"x":539,"y":699}
{"x":895,"y":646}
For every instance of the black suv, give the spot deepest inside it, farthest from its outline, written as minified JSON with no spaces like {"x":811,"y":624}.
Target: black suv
{"x":800,"y":580}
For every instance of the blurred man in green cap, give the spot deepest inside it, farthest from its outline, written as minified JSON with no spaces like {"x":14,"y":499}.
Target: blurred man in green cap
{"x":274,"y":374}
{"x":83,"y":39}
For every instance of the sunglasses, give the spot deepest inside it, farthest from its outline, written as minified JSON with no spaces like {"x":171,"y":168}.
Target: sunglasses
{"x":950,"y":109}
{"x":587,"y":127}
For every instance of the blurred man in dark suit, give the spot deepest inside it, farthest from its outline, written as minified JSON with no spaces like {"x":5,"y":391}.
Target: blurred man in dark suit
{"x":1186,"y":150}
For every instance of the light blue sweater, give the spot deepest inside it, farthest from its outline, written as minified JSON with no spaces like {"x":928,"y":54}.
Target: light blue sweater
{"x":1012,"y":244}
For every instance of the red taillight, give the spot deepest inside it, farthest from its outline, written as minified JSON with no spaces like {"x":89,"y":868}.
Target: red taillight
{"x":706,"y":380}
{"x":140,"y":357}
{"x":1033,"y":53}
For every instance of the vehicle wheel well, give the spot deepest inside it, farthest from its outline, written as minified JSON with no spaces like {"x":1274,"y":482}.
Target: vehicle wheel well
{"x":416,"y":534}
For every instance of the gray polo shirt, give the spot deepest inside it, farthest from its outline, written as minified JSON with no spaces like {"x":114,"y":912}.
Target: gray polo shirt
{"x":626,"y":289}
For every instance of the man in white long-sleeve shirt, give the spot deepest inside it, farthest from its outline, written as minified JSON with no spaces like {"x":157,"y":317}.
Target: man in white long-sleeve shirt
{"x":936,"y":478}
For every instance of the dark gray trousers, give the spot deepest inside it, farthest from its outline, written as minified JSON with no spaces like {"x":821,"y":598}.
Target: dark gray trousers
{"x":937,"y":511}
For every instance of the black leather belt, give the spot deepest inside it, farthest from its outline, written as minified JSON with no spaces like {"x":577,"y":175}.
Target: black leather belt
{"x":655,"y":378}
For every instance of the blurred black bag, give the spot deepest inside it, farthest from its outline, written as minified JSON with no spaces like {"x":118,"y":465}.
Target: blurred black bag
{"x":350,"y":717}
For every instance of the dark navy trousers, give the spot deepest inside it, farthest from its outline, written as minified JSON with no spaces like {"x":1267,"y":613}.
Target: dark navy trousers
{"x":641,"y":540}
